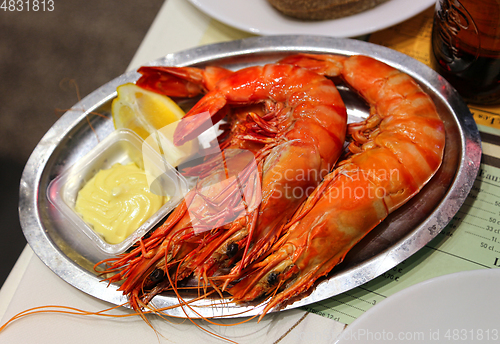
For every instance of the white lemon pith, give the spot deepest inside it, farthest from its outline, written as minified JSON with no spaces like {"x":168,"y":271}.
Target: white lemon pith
{"x":147,"y":113}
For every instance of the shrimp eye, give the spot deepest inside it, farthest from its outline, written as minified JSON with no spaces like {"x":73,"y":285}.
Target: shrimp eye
{"x":232,"y":249}
{"x":272,"y":278}
{"x":157,"y":275}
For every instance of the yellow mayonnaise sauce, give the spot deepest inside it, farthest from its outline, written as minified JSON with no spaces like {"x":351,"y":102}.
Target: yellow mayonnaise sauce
{"x":117,"y":201}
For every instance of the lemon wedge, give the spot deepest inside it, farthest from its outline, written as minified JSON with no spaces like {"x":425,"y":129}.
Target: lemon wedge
{"x":151,"y":116}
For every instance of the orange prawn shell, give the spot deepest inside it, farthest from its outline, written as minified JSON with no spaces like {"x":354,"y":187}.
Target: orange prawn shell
{"x":297,"y":135}
{"x":397,"y":150}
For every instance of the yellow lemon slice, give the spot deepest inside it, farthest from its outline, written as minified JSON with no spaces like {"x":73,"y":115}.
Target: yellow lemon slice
{"x":148,"y":113}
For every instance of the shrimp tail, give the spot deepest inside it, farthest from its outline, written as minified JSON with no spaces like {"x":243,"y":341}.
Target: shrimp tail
{"x":181,"y":81}
{"x":209,"y":111}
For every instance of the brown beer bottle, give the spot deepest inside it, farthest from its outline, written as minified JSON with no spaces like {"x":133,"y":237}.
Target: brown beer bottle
{"x":466,"y":47}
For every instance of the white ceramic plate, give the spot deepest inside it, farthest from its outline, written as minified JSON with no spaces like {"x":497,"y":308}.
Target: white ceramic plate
{"x":259,"y":17}
{"x":460,"y":307}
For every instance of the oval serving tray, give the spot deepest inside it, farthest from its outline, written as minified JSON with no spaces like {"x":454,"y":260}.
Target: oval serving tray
{"x":71,"y":256}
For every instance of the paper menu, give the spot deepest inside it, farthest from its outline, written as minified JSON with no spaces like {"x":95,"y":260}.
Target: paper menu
{"x":411,"y":37}
{"x":472,"y":239}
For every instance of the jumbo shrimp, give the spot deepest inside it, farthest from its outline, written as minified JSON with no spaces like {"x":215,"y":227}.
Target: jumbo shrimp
{"x":394,"y":154}
{"x":299,"y":132}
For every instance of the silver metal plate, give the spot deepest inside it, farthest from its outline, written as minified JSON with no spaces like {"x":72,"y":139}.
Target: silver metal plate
{"x":71,"y":256}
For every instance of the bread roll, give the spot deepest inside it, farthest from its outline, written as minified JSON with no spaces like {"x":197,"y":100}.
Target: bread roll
{"x":323,"y":9}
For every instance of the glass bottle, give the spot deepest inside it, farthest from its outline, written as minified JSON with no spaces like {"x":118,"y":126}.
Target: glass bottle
{"x":466,"y":47}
